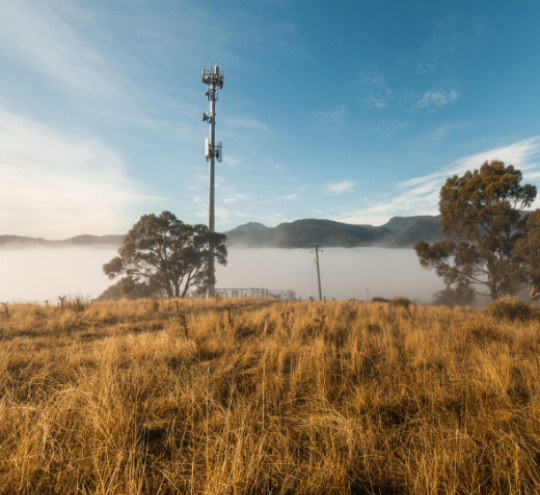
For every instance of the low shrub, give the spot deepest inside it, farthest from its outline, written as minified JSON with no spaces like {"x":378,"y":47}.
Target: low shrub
{"x":404,"y":302}
{"x":512,"y":309}
{"x":378,"y":299}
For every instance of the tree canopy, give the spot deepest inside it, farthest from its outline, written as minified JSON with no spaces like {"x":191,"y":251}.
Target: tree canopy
{"x":167,"y":254}
{"x":528,"y":247}
{"x":481,"y":214}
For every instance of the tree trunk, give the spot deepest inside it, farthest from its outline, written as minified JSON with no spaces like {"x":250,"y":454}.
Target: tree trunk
{"x":534,"y":293}
{"x":188,"y":283}
{"x":493,"y":291}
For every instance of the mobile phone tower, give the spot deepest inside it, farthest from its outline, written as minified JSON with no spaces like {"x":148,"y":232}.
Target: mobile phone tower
{"x":213,"y":78}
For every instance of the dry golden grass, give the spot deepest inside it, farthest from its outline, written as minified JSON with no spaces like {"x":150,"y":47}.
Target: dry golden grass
{"x":337,"y":397}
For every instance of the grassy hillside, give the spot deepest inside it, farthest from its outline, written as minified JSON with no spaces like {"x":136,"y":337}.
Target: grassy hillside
{"x":256,"y":397}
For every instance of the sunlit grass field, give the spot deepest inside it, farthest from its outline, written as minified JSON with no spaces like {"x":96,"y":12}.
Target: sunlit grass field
{"x":249,"y":397}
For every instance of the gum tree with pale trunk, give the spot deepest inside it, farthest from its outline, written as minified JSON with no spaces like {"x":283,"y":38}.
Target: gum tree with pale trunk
{"x":165,"y":253}
{"x":481,"y":214}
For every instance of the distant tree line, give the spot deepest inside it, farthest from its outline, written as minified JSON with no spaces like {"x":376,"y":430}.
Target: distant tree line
{"x":492,"y":247}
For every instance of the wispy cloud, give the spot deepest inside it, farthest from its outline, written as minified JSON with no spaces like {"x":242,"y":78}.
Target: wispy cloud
{"x":376,"y":91}
{"x":82,"y":49}
{"x":332,"y":116}
{"x":420,"y":196}
{"x":232,"y":162}
{"x":391,"y":127}
{"x":57,"y":185}
{"x":341,"y":187}
{"x":441,"y":131}
{"x":233,"y":198}
{"x":40,"y":36}
{"x":435,"y":99}
{"x":245,"y":125}
{"x":329,"y":121}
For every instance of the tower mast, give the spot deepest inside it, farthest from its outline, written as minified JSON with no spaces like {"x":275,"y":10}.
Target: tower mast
{"x":213,"y":78}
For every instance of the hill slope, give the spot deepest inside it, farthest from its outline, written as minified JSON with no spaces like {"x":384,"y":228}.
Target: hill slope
{"x":15,"y":241}
{"x":306,"y":233}
{"x":302,"y":233}
{"x":425,"y":229}
{"x":401,"y":232}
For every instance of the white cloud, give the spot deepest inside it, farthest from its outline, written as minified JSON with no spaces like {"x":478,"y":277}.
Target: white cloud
{"x":341,"y":187}
{"x":222,"y":214}
{"x":376,"y":91}
{"x":36,"y":32}
{"x":58,"y":185}
{"x":235,"y":197}
{"x":288,"y":198}
{"x":420,"y":196}
{"x":82,"y":48}
{"x":231,"y":162}
{"x":244,"y":125}
{"x":441,"y":131}
{"x":378,"y":99}
{"x":333,"y":116}
{"x":436,"y":98}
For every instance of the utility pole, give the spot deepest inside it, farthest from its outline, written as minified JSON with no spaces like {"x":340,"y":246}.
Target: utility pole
{"x":317,"y":246}
{"x":213,"y":78}
{"x":367,"y":294}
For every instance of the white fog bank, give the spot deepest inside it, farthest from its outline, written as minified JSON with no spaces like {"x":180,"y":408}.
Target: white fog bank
{"x":40,"y":274}
{"x":345,"y":272}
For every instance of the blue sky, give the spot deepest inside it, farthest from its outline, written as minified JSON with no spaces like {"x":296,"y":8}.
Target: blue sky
{"x":349,"y":110}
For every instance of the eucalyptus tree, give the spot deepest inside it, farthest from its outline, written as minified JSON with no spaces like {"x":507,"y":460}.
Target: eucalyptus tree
{"x":167,"y":254}
{"x":482,"y":217}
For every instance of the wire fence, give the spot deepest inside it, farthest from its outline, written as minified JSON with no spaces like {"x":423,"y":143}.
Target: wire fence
{"x":282,"y":295}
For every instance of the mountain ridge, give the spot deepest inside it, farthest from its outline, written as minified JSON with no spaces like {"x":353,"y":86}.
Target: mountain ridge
{"x":14,"y":241}
{"x":307,"y":232}
{"x":398,"y":232}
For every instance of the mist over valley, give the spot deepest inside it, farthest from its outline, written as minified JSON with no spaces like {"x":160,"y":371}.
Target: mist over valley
{"x":41,"y":274}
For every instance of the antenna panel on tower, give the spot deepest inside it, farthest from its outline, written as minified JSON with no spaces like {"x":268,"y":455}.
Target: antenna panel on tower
{"x":207,"y":149}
